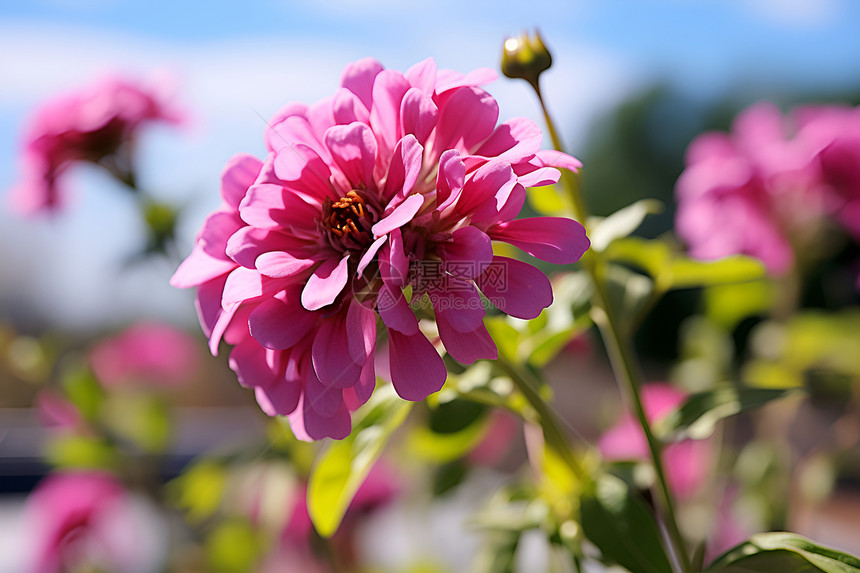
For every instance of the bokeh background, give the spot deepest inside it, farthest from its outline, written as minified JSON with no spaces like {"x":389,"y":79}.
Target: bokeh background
{"x":632,"y":83}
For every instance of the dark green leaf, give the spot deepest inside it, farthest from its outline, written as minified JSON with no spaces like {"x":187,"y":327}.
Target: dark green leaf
{"x":698,"y":415}
{"x":342,"y":466}
{"x":623,"y":528}
{"x":781,"y":552}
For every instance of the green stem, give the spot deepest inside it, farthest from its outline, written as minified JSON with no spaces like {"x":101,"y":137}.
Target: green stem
{"x":621,"y":358}
{"x":550,"y":424}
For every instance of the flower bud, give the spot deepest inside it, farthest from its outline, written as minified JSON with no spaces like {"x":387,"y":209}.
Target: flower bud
{"x":525,"y":58}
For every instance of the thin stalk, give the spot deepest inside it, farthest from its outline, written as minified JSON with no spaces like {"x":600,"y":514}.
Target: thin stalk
{"x":621,"y":359}
{"x":548,"y":420}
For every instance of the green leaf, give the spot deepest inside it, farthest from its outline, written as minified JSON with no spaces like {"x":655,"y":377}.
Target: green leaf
{"x":549,"y":200}
{"x":629,"y":292}
{"x":233,"y":547}
{"x":699,"y":414}
{"x":83,"y":391}
{"x":622,"y":527}
{"x":343,"y":465}
{"x":734,"y":269}
{"x":73,"y":451}
{"x":781,"y":552}
{"x":199,"y":490}
{"x":142,"y":418}
{"x":621,"y":223}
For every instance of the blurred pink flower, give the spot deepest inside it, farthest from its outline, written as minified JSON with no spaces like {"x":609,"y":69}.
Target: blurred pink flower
{"x":833,"y":135}
{"x":740,"y":191}
{"x":398,"y":181}
{"x":147,"y":353}
{"x":78,"y":519}
{"x":502,"y":429}
{"x":686,"y":462}
{"x":96,"y":124}
{"x":763,"y":189}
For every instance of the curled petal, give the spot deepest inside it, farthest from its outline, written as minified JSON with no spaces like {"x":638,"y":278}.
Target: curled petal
{"x":417,"y":370}
{"x":516,"y":288}
{"x":552,"y":239}
{"x":326,"y":283}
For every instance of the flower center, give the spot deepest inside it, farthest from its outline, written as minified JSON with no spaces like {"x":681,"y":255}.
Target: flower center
{"x":347,"y":221}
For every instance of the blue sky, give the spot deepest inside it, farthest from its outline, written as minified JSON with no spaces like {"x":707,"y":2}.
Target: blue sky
{"x":234,"y":62}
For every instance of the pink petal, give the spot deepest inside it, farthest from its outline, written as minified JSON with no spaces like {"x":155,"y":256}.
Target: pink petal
{"x":466,"y":118}
{"x":271,"y":206}
{"x":368,"y":255}
{"x":451,"y":178}
{"x":418,"y":114}
{"x":240,"y":173}
{"x":394,"y":310}
{"x":326,"y":283}
{"x":348,"y":108}
{"x":353,"y":148}
{"x":360,"y":393}
{"x":460,"y":305}
{"x":388,"y":91}
{"x":401,"y":215}
{"x":278,"y":264}
{"x":280,"y":322}
{"x":553,"y":158}
{"x":487,"y":191}
{"x":358,"y":77}
{"x":513,"y":141}
{"x":251,"y":364}
{"x":516,"y":288}
{"x":552,"y":239}
{"x":303,"y":171}
{"x":217,"y":230}
{"x":279,"y":399}
{"x":449,"y":79}
{"x":199,"y":268}
{"x":393,"y":262}
{"x":332,"y":360}
{"x":467,"y":347}
{"x":325,"y":400}
{"x":404,"y":168}
{"x":423,"y":75}
{"x":417,"y":370}
{"x":361,"y":332}
{"x":468,"y":253}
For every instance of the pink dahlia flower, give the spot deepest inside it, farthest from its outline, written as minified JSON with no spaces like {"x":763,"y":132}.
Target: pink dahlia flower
{"x":147,"y":353}
{"x":84,"y":520}
{"x":383,"y":198}
{"x":746,"y":192}
{"x":686,"y":462}
{"x":96,"y":124}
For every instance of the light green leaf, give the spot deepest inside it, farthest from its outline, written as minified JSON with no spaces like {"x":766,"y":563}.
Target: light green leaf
{"x":780,"y":552}
{"x":629,"y":292}
{"x":199,"y":490}
{"x":343,"y":465}
{"x":697,"y":417}
{"x":621,"y":526}
{"x":549,"y":200}
{"x":73,"y":451}
{"x":233,"y":547}
{"x":621,"y":223}
{"x":735,"y":269}
{"x":83,"y":391}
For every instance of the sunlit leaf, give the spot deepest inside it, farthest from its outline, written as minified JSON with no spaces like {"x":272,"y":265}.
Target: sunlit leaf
{"x":73,"y":451}
{"x":622,"y":527}
{"x":199,"y":490}
{"x":549,"y":200}
{"x":621,"y":223}
{"x":781,"y":552}
{"x":141,"y":418}
{"x":84,"y":391}
{"x":343,"y":465}
{"x":629,"y":292}
{"x":728,"y":304}
{"x":233,"y":547}
{"x":700,"y":412}
{"x":734,"y":269}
